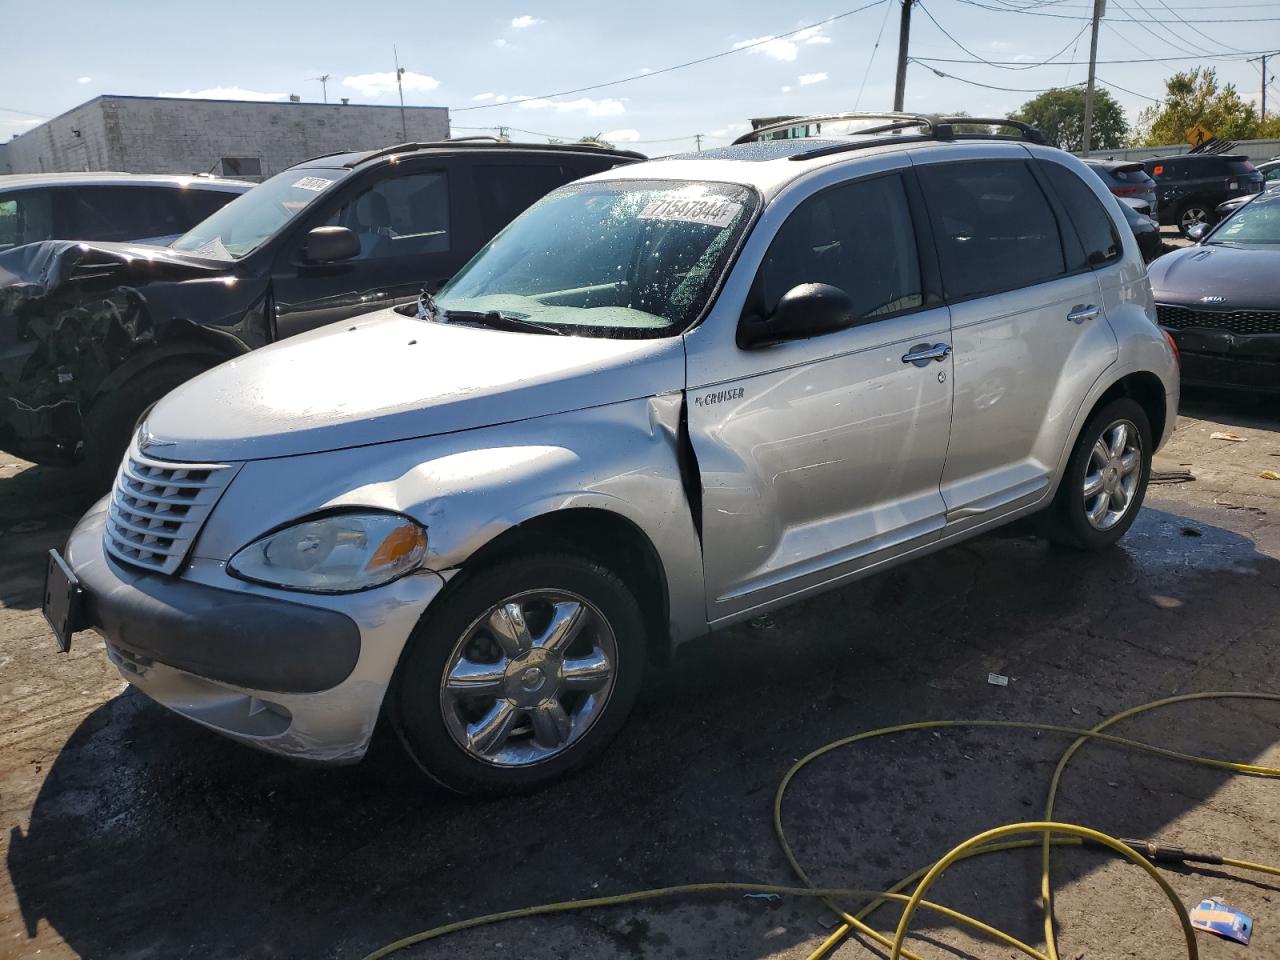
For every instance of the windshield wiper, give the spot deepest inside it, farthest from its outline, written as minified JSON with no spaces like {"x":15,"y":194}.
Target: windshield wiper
{"x":499,"y":321}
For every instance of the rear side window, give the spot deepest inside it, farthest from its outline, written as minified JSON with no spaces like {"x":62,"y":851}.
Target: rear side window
{"x":25,"y":217}
{"x":827,"y":240}
{"x":505,"y":190}
{"x":1094,"y":225}
{"x":993,"y":227}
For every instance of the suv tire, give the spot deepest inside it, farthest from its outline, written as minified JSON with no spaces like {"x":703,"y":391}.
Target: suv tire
{"x":1192,"y":213}
{"x":545,"y":653}
{"x":109,"y":425}
{"x":1106,"y":478}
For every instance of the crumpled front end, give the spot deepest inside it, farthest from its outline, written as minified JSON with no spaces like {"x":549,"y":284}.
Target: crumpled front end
{"x":74,"y":315}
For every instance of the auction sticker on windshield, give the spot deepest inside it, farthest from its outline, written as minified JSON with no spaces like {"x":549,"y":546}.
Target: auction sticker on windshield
{"x":312,"y":183}
{"x":711,"y":213}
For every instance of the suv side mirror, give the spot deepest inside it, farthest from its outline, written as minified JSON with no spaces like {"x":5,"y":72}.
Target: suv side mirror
{"x":1197,"y":231}
{"x":807,"y":310}
{"x":330,"y":244}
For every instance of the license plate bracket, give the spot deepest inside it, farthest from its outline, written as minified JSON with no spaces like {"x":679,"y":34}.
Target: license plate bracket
{"x":63,"y":600}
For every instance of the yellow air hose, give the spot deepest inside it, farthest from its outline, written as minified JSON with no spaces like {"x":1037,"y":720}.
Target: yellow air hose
{"x":1051,"y":833}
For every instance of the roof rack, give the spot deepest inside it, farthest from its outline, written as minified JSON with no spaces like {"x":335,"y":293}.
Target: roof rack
{"x":488,"y":142}
{"x":932,"y":128}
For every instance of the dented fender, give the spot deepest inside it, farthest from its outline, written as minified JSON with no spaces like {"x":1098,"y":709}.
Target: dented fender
{"x":468,"y":488}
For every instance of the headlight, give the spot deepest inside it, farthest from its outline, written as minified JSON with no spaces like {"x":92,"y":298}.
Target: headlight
{"x":337,"y":553}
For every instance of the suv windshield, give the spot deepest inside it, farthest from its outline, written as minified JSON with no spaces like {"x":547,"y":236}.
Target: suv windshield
{"x":1258,"y":221}
{"x":250,"y":219}
{"x":614,"y":259}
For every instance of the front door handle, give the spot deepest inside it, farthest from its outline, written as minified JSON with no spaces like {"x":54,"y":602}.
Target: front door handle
{"x":1081,"y":314}
{"x":922,"y":353}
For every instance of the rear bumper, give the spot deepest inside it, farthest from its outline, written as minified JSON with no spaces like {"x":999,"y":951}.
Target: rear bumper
{"x":285,"y":675}
{"x":1218,"y":358}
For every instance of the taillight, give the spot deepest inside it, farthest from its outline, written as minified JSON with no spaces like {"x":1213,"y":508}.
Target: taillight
{"x":1177,"y":354}
{"x":1127,"y":191}
{"x":1232,"y":185}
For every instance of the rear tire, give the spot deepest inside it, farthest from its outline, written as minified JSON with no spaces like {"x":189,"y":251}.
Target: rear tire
{"x":1192,"y":213}
{"x":1106,"y":478}
{"x":109,"y":425}
{"x":523,"y":672}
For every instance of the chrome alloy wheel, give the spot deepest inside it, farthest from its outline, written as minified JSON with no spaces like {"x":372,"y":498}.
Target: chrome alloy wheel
{"x":1112,"y":475}
{"x":528,"y":678}
{"x":1193,"y":215}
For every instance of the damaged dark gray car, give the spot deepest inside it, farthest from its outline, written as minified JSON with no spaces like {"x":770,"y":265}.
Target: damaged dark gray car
{"x":93,"y":334}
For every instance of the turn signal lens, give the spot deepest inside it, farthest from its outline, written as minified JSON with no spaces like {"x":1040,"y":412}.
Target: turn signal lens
{"x":338,"y":553}
{"x":1173,"y":345}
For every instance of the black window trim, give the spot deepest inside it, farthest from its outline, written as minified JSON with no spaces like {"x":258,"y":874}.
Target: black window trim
{"x":1053,"y":209}
{"x":1059,"y":203}
{"x":930,"y":275}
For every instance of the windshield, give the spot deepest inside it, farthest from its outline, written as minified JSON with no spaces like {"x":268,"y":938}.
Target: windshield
{"x":250,"y":219}
{"x":615,"y":259}
{"x":1258,"y":221}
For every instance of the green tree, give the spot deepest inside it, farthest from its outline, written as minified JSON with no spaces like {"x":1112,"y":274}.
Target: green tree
{"x":1195,"y":97}
{"x":1059,"y":114}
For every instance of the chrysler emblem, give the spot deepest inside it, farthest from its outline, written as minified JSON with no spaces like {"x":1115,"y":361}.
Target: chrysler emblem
{"x":1213,"y":298}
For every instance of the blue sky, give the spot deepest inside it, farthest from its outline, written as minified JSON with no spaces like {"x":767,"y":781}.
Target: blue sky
{"x":472,"y":55}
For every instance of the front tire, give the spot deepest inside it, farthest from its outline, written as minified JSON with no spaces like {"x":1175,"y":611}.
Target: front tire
{"x":1106,"y":478}
{"x":1192,"y":214}
{"x":522,"y":673}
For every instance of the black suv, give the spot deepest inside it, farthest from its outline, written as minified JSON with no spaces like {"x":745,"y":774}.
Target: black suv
{"x":1190,"y":187}
{"x":93,"y":334}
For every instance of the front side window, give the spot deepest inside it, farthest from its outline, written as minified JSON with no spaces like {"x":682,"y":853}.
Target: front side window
{"x":1094,"y":225}
{"x":252,"y":218}
{"x":400,"y":217}
{"x":25,"y":217}
{"x":857,"y":237}
{"x":993,"y":227}
{"x":622,"y":258}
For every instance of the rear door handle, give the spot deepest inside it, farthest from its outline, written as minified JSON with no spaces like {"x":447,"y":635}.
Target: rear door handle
{"x":1081,"y":314}
{"x":922,"y":353}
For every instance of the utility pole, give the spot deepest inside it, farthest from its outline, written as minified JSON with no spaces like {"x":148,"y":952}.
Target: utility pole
{"x":404,"y":129}
{"x":697,"y":138}
{"x":1099,"y":11}
{"x":324,"y":85}
{"x":1264,"y":58}
{"x":904,"y":36}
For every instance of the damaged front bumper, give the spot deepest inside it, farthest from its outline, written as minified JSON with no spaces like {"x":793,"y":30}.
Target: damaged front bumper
{"x":278,"y":672}
{"x":1219,"y":358}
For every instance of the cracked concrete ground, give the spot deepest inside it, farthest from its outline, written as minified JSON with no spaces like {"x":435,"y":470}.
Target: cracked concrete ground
{"x":132,"y":833}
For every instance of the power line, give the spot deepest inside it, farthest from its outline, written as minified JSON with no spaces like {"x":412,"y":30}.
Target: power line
{"x":1116,"y":86}
{"x":1081,"y":63}
{"x":1064,"y":16}
{"x":25,"y":113}
{"x":1025,"y":66}
{"x":1225,"y":46}
{"x":985,"y":86}
{"x":872,"y":59}
{"x":677,"y":66}
{"x":1170,"y":43}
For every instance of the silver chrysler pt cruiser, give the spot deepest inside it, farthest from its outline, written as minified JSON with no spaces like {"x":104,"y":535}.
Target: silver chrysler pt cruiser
{"x":666,"y":398}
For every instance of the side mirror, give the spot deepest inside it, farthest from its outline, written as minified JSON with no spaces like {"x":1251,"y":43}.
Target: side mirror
{"x":330,"y":244}
{"x":1197,"y":231}
{"x":807,"y":310}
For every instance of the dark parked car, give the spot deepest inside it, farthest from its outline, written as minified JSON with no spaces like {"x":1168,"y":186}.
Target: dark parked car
{"x":1127,"y":179}
{"x":1145,"y":229}
{"x":107,"y":206}
{"x":1220,"y":301}
{"x":1229,"y":207}
{"x":93,"y":334}
{"x":1190,"y":187}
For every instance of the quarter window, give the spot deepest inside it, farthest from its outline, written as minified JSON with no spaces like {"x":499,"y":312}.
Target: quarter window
{"x":993,"y":226}
{"x":857,"y":237}
{"x":400,"y":217}
{"x":25,"y":218}
{"x":1092,"y":222}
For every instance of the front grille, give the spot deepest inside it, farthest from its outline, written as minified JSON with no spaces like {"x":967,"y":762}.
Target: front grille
{"x":1236,"y":321}
{"x":157,"y":508}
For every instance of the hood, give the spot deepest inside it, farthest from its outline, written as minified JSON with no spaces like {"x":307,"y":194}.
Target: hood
{"x":385,"y":376}
{"x":43,"y":266}
{"x":1244,"y":275}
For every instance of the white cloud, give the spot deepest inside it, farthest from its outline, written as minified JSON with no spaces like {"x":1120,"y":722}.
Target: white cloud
{"x":84,"y":80}
{"x":786,"y":89}
{"x":784,"y":48}
{"x":522,"y":22}
{"x":592,"y":108}
{"x":223,"y":93}
{"x":376,"y":84}
{"x":500,"y":42}
{"x":621,"y":136}
{"x":810,"y":78}
{"x":483,"y":96}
